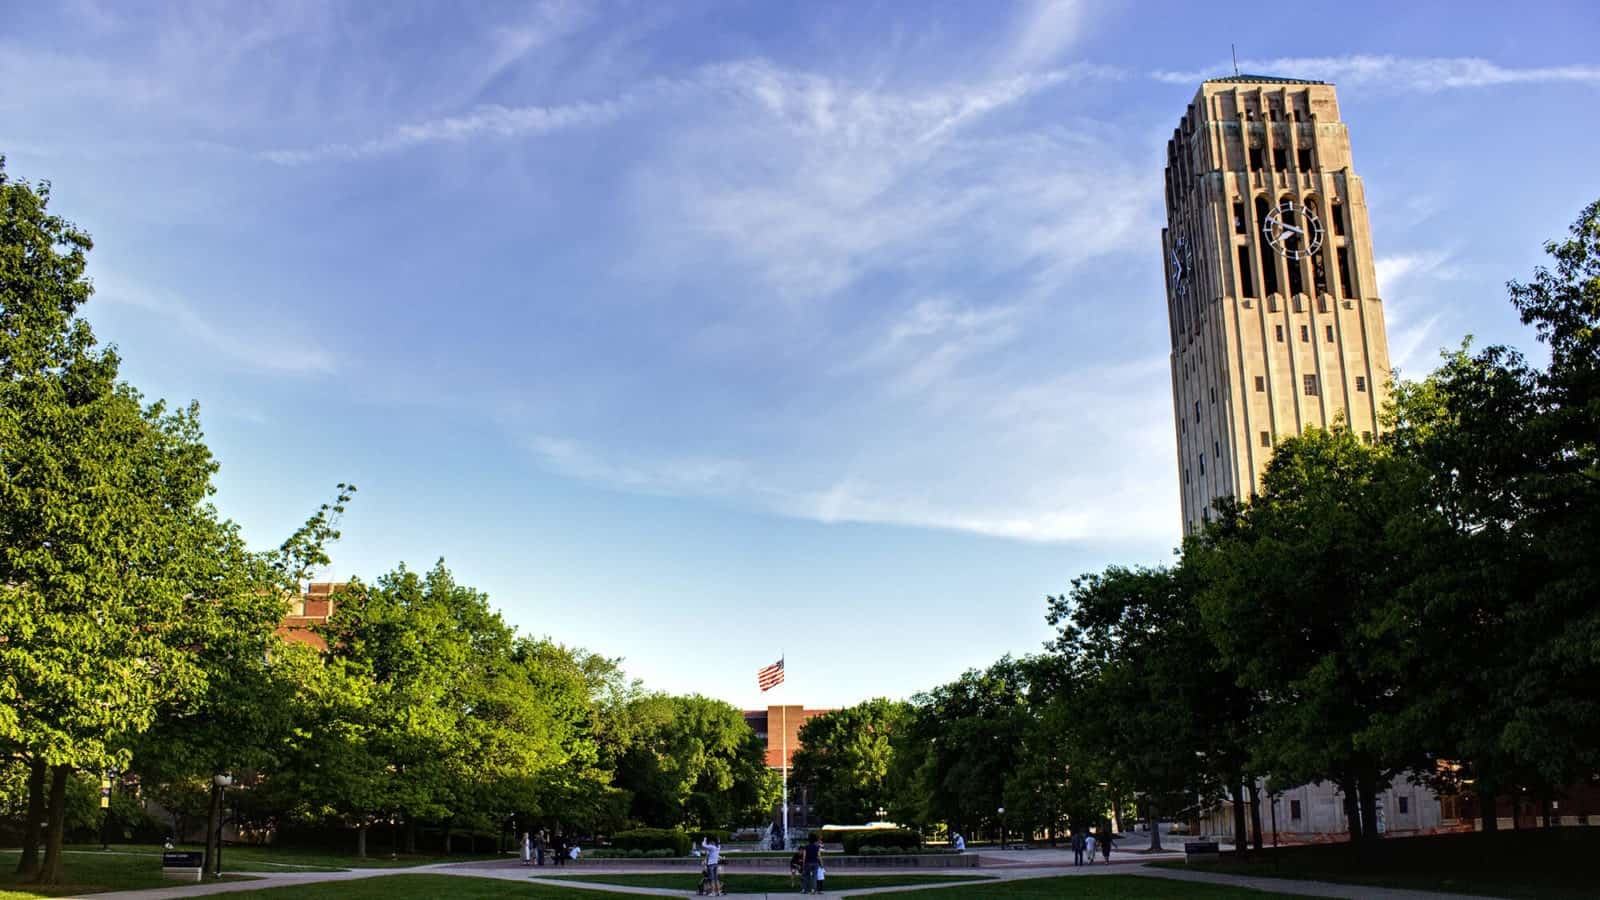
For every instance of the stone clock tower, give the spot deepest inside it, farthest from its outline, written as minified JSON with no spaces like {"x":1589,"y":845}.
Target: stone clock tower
{"x":1271,"y":292}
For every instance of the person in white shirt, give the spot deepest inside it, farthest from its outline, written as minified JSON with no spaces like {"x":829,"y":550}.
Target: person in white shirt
{"x":713,"y":860}
{"x":960,"y":843}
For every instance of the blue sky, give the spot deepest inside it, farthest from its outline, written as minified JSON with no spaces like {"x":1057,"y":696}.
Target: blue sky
{"x":698,"y":332}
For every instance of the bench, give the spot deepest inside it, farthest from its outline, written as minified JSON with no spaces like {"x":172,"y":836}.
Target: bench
{"x":181,"y":865}
{"x":1199,"y":851}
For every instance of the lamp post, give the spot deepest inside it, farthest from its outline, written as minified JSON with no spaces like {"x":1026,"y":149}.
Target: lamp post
{"x":881,"y":813}
{"x":222,"y":781}
{"x":1002,"y":812}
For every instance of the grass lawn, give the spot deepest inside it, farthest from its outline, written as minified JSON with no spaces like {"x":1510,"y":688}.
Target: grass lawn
{"x":1092,"y":887}
{"x":425,"y":887}
{"x":296,"y":859}
{"x":1558,"y":863}
{"x":756,"y":882}
{"x":90,"y":873}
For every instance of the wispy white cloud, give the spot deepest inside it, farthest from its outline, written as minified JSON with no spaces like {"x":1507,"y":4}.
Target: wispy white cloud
{"x":1397,"y":73}
{"x":1045,"y":30}
{"x":236,"y":345}
{"x":1409,"y":282}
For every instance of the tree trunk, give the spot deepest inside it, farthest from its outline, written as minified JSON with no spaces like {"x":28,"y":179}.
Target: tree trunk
{"x":1155,"y":827}
{"x":213,"y":829}
{"x":1241,"y":835}
{"x":38,"y":773}
{"x":1488,"y":809}
{"x":411,"y":835}
{"x":1352,"y":807}
{"x":1255,"y":813}
{"x":447,"y":837}
{"x":361,"y":841}
{"x":53,"y":869}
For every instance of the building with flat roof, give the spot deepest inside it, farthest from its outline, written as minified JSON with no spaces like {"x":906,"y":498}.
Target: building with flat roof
{"x":1272,"y":294}
{"x":769,"y":724}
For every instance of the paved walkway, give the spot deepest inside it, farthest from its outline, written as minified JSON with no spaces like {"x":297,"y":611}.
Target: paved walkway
{"x":1007,"y":866}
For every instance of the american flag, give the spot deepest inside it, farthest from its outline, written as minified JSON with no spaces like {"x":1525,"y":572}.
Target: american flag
{"x":771,"y":676}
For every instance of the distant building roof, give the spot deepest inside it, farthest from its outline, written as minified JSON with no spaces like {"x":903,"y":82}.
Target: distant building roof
{"x":1261,"y":79}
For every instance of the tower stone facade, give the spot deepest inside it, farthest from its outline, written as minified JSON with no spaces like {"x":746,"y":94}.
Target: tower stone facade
{"x":1271,"y":291}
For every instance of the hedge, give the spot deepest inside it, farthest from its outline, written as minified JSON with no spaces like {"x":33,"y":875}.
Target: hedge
{"x":652,"y":839}
{"x":887,"y":838}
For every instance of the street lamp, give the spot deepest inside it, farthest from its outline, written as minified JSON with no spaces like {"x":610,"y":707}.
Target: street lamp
{"x":1002,"y":812}
{"x":223,"y":781}
{"x":881,"y":813}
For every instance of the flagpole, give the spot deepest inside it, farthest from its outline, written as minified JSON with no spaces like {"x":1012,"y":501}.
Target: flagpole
{"x":785,"y":766}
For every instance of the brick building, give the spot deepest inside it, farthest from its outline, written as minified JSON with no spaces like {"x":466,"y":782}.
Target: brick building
{"x":769,"y":724}
{"x":308,"y":611}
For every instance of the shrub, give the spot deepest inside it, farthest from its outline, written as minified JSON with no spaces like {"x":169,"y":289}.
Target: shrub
{"x":646,"y":839}
{"x":884,"y":838}
{"x":658,"y":854}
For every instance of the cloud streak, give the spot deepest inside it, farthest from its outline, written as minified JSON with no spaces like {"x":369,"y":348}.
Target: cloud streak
{"x":1396,"y":73}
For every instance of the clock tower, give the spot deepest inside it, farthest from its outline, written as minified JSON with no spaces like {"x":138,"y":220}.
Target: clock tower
{"x":1271,"y":292}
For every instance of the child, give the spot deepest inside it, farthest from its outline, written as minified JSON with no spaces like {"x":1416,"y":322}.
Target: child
{"x":796,"y":861}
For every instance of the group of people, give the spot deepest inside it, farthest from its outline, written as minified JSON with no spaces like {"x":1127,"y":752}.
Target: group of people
{"x":1084,"y":843}
{"x":536,"y":845}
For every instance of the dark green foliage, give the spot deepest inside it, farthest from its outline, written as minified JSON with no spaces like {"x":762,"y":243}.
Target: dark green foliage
{"x":673,"y":839}
{"x":881,"y":838}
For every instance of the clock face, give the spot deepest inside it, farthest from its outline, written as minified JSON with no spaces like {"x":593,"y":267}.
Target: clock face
{"x":1293,"y":230}
{"x":1182,"y":259}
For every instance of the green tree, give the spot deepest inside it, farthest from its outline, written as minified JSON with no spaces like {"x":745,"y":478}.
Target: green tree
{"x":694,"y":761}
{"x":844,"y":757}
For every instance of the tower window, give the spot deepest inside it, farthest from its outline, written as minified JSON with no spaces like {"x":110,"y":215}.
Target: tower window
{"x":1197,"y":411}
{"x":1239,"y":226}
{"x":1213,"y":395}
{"x":1319,"y":280}
{"x":1305,"y":334}
{"x":1311,"y":385}
{"x":1297,"y":279}
{"x":1336,"y":213}
{"x":1361,"y":384}
{"x":1185,"y":474}
{"x":1202,"y":464}
{"x":1280,"y":333}
{"x":1280,"y":159}
{"x":1216,"y":449}
{"x":1366,"y":437}
{"x":1266,"y":439}
{"x":1256,"y":163}
{"x":1247,"y":287}
{"x":1304,"y":159}
{"x":1261,"y":383}
{"x":1329,"y":331}
{"x":1345,"y":288}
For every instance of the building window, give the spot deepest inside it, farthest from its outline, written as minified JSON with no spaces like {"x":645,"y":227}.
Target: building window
{"x":1197,"y":411}
{"x":1239,"y":226}
{"x":1329,"y":331}
{"x":1247,"y":286}
{"x":1202,"y":464}
{"x":1185,"y":474}
{"x":1266,"y":439}
{"x":1256,"y":163}
{"x":1304,"y":159}
{"x":1405,"y":805}
{"x":1294,"y":810}
{"x":1261,"y":383}
{"x":1361,"y":384}
{"x":1336,"y":213}
{"x":1345,"y":288}
{"x":1216,"y":449}
{"x":1311,"y":385}
{"x":1297,"y":280}
{"x":1213,"y":395}
{"x":1366,"y":437}
{"x":1280,"y":332}
{"x":1280,"y":159}
{"x":1305,"y":334}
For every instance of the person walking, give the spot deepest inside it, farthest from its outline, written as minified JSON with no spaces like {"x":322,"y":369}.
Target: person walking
{"x":1088,"y":848}
{"x":539,"y":841}
{"x":1077,"y":846}
{"x":1105,"y":843}
{"x":527,"y":849}
{"x":960,"y":843}
{"x":808,"y":883}
{"x":559,"y":845}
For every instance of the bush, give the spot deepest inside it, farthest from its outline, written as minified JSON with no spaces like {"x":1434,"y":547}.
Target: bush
{"x":884,"y":838}
{"x":658,"y":854}
{"x":646,"y":839}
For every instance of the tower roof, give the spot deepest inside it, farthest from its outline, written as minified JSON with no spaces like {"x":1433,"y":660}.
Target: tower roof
{"x":1260,"y":79}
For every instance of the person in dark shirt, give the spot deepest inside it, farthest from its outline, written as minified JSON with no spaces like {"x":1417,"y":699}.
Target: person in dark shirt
{"x":808,"y":884}
{"x":797,"y":863}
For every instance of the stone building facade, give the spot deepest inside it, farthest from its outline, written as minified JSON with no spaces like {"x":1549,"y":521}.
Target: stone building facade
{"x":1272,"y":294}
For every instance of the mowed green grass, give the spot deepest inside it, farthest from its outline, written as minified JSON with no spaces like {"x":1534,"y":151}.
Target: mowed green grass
{"x":1092,"y":887}
{"x":89,"y":872}
{"x":1098,"y":887}
{"x":1552,"y":863}
{"x":764,"y":882}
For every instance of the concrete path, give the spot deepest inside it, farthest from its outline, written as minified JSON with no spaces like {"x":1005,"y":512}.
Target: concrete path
{"x":1008,"y":866}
